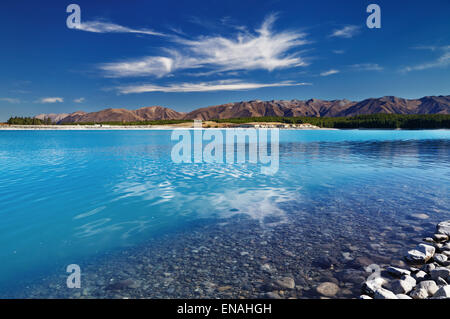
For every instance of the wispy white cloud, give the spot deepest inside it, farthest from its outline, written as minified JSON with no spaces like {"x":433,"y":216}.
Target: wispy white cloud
{"x":108,"y":27}
{"x":264,"y":49}
{"x":225,"y":85}
{"x":80,"y":100}
{"x":338,"y":51}
{"x":10,"y":100}
{"x":330,"y":72}
{"x":366,"y":67}
{"x":51,"y":100}
{"x":441,"y":62}
{"x":348,"y":31}
{"x":156,"y":66}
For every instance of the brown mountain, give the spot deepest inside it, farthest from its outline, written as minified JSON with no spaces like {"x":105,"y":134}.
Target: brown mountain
{"x":257,"y":108}
{"x":151,"y":113}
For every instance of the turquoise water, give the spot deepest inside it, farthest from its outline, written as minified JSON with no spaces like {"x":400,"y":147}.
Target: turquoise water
{"x":69,"y":196}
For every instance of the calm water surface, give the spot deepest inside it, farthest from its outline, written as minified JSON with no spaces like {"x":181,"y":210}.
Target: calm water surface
{"x":115,"y":203}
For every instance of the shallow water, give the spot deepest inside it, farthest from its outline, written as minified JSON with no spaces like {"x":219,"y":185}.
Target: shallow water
{"x":115,"y":203}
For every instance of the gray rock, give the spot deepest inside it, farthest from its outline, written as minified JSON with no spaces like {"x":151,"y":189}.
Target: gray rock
{"x":428,"y":268}
{"x":382,"y":293}
{"x":414,"y":269}
{"x":272,"y":295}
{"x":442,"y":293}
{"x":430,"y":286}
{"x":419,"y":293}
{"x":397,"y":272}
{"x":440,"y":237}
{"x":421,"y":254}
{"x":440,"y":272}
{"x":373,"y":285}
{"x":402,"y":296}
{"x":443,"y":228}
{"x":328,"y":289}
{"x":122,"y":284}
{"x":420,"y":275}
{"x":440,"y":259}
{"x":404,"y":285}
{"x":286,"y":282}
{"x":441,"y":282}
{"x":268,"y":268}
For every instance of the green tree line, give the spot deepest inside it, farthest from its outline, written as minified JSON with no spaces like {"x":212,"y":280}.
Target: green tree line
{"x":387,"y":121}
{"x":28,"y":121}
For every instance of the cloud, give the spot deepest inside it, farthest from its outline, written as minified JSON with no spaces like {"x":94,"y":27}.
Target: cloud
{"x":224,"y":85}
{"x":346,"y":32}
{"x":80,"y":100}
{"x":366,"y":67}
{"x":10,"y":100}
{"x":263,"y":49}
{"x":330,"y":72}
{"x":108,"y":27}
{"x":51,"y":100}
{"x":156,"y":66}
{"x":441,"y":62}
{"x":338,"y":51}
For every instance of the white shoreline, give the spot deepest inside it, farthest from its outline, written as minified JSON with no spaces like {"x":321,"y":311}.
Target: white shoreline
{"x":130,"y":127}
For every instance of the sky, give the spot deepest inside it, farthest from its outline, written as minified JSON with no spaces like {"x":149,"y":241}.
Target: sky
{"x":190,"y":54}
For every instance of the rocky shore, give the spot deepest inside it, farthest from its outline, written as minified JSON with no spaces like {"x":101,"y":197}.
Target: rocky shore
{"x":316,"y":254}
{"x":427,"y":275}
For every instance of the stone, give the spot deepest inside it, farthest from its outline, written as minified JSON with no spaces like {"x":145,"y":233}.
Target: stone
{"x":428,"y":240}
{"x":428,"y":267}
{"x":440,"y":237}
{"x":440,"y":259}
{"x":325,"y":262}
{"x":268,"y":268}
{"x":397,"y":272}
{"x":442,"y":293}
{"x":419,"y":293}
{"x":441,"y":282}
{"x":440,"y":272}
{"x":445,"y":247}
{"x":419,"y":216}
{"x":373,"y":285}
{"x":272,"y":295}
{"x":430,"y":286}
{"x":382,"y":293}
{"x":443,"y":228}
{"x":404,"y":285}
{"x":421,"y":254}
{"x":402,"y":296}
{"x":365,"y":297}
{"x":347,"y":256}
{"x":286,"y":282}
{"x":122,"y":284}
{"x":224,"y":288}
{"x":420,"y":275}
{"x":328,"y":289}
{"x":363,"y":261}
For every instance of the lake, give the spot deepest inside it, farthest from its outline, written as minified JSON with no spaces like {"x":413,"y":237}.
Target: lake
{"x":140,"y":225}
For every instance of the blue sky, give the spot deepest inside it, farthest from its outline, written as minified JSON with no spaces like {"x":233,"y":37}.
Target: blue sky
{"x":190,"y":54}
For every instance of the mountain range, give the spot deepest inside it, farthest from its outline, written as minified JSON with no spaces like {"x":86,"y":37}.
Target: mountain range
{"x":256,"y":108}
